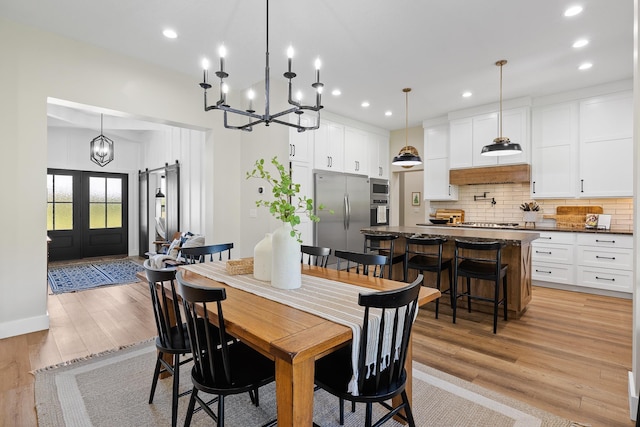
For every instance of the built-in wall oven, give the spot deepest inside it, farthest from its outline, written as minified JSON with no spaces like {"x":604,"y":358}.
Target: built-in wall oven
{"x":379,"y":195}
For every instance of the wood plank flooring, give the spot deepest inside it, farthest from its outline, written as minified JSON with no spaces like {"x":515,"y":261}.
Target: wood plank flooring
{"x":569,"y":354}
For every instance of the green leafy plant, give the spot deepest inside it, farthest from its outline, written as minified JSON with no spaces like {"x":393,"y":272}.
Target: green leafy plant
{"x":287,"y":205}
{"x":530,"y":206}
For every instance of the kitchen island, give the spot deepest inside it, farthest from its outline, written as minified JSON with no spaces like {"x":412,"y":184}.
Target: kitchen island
{"x":516,"y":253}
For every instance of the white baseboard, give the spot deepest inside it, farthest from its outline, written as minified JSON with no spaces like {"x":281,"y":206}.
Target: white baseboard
{"x":24,"y":326}
{"x":633,"y":398}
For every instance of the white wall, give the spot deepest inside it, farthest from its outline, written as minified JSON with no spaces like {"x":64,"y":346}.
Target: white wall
{"x":37,"y":65}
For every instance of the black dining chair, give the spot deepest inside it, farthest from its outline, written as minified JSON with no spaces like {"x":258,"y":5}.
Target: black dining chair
{"x":396,"y":310}
{"x":483,"y":261}
{"x":315,"y":255}
{"x":384,"y":244}
{"x":425,"y":254}
{"x":367,"y":263}
{"x":220,"y":367}
{"x":172,"y":333}
{"x":197,"y":254}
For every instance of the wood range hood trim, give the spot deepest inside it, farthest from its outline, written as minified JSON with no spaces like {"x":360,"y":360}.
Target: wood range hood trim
{"x":491,"y":175}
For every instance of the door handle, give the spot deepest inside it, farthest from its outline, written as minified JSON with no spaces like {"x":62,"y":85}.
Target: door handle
{"x":582,"y":185}
{"x":544,"y":252}
{"x":347,"y":212}
{"x":605,"y":257}
{"x":605,"y":241}
{"x":604,"y":278}
{"x":542,"y":271}
{"x":534,"y":187}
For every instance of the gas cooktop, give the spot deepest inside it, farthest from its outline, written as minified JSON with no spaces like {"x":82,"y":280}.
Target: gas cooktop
{"x":489,"y":224}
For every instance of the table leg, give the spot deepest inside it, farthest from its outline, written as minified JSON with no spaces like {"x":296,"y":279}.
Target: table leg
{"x":294,"y":392}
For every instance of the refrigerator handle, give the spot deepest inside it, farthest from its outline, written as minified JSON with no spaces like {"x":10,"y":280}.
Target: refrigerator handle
{"x":347,"y":211}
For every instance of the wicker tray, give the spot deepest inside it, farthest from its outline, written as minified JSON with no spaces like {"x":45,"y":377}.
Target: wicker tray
{"x":240,"y":266}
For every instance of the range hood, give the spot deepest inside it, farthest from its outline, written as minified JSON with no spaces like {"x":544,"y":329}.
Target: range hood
{"x":490,"y":175}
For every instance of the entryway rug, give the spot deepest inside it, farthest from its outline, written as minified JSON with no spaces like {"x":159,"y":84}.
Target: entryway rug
{"x":78,"y":277}
{"x":113,"y":390}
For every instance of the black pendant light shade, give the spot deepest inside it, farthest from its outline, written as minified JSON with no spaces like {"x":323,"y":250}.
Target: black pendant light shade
{"x":408,"y":155}
{"x":159,"y":193}
{"x":501,"y":146}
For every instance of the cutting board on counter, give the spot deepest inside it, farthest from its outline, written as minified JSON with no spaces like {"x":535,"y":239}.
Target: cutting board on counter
{"x":448,"y":213}
{"x":573,"y":216}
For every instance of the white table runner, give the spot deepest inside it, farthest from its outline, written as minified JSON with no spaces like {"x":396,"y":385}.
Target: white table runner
{"x":329,"y":299}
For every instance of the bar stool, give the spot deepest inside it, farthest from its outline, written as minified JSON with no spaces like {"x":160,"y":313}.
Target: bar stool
{"x":426,"y":258}
{"x":483,"y":267}
{"x":373,"y":244}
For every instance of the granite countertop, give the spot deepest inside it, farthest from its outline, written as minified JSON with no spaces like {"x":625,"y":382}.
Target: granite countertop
{"x":539,"y":228}
{"x":510,"y":237}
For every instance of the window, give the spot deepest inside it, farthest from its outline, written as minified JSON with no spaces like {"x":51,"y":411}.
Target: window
{"x":59,"y":202}
{"x":105,"y":202}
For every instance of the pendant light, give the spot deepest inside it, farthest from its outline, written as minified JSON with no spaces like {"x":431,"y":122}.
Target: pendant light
{"x":101,"y":149}
{"x":159,"y":193}
{"x":501,"y":146}
{"x":408,"y":156}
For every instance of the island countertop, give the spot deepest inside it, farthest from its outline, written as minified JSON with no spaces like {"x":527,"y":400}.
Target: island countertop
{"x":509,"y":237}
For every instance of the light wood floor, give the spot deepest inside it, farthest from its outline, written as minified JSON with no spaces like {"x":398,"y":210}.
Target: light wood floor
{"x":569,"y":354}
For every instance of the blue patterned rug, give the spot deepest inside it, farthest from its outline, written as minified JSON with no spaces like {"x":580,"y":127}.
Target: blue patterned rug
{"x":79,"y":277}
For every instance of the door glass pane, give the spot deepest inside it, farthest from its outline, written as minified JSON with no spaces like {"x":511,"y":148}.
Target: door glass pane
{"x":114,"y":215}
{"x":96,"y":215}
{"x":114,"y":190}
{"x":97,"y":188}
{"x":49,"y":188}
{"x":49,"y":216}
{"x":63,"y":188}
{"x":63,"y":216}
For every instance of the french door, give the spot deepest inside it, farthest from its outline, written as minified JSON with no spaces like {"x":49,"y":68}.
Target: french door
{"x":87,"y":214}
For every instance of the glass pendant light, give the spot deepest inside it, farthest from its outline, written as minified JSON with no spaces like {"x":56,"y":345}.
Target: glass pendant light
{"x":501,"y":146}
{"x":408,"y":155}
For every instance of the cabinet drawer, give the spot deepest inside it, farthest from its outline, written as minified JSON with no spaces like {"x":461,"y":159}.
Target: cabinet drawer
{"x":603,"y":278}
{"x":551,"y":237}
{"x":605,"y":257}
{"x":562,"y":254}
{"x":606,"y":240}
{"x":556,"y":273}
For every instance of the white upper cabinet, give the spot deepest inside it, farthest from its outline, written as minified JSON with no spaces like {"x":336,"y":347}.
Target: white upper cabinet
{"x":329,"y":147}
{"x":468,"y":136}
{"x":554,"y":148}
{"x":356,"y":151}
{"x":606,"y":146}
{"x":300,"y":143}
{"x":460,"y":143}
{"x":436,"y":164}
{"x":379,"y":156}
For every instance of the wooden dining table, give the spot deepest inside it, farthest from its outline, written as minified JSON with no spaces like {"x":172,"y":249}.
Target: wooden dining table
{"x":293,"y":338}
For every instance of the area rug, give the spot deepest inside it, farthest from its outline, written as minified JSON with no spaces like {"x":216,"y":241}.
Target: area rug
{"x":78,"y":277}
{"x":113,"y":389}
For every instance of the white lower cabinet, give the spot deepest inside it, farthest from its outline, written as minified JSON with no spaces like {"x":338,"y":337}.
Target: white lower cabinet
{"x":590,"y":260}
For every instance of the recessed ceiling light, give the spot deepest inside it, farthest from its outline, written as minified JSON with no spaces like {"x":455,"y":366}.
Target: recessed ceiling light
{"x":573,"y":11}
{"x":466,"y":94}
{"x":388,"y":113}
{"x":585,"y":66}
{"x":169,"y":33}
{"x":336,"y":92}
{"x":365,"y":104}
{"x":580,"y":43}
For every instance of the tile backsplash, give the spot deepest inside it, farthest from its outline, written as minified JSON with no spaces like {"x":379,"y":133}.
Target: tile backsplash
{"x":508,"y":198}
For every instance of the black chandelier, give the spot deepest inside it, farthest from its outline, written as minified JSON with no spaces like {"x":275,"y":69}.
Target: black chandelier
{"x":101,"y":149}
{"x":267,"y":118}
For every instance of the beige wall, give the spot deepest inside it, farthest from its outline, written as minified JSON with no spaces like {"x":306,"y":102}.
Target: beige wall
{"x":413,"y":182}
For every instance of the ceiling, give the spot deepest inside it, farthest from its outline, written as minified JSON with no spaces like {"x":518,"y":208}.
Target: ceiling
{"x":370,"y":49}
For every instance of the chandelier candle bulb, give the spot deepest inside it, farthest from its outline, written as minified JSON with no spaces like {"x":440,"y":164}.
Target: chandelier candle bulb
{"x":317,"y":64}
{"x":289,"y":57}
{"x":205,"y":70}
{"x":222,"y":52}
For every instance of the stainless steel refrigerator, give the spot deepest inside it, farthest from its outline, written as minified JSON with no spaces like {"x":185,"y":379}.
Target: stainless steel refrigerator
{"x":348,"y":196}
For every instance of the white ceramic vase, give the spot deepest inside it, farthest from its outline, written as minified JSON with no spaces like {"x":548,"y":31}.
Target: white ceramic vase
{"x":285,"y":260}
{"x":262,"y":254}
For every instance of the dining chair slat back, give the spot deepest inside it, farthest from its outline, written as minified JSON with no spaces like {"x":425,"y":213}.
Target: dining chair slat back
{"x":315,"y":255}
{"x":197,"y":254}
{"x":364,"y":263}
